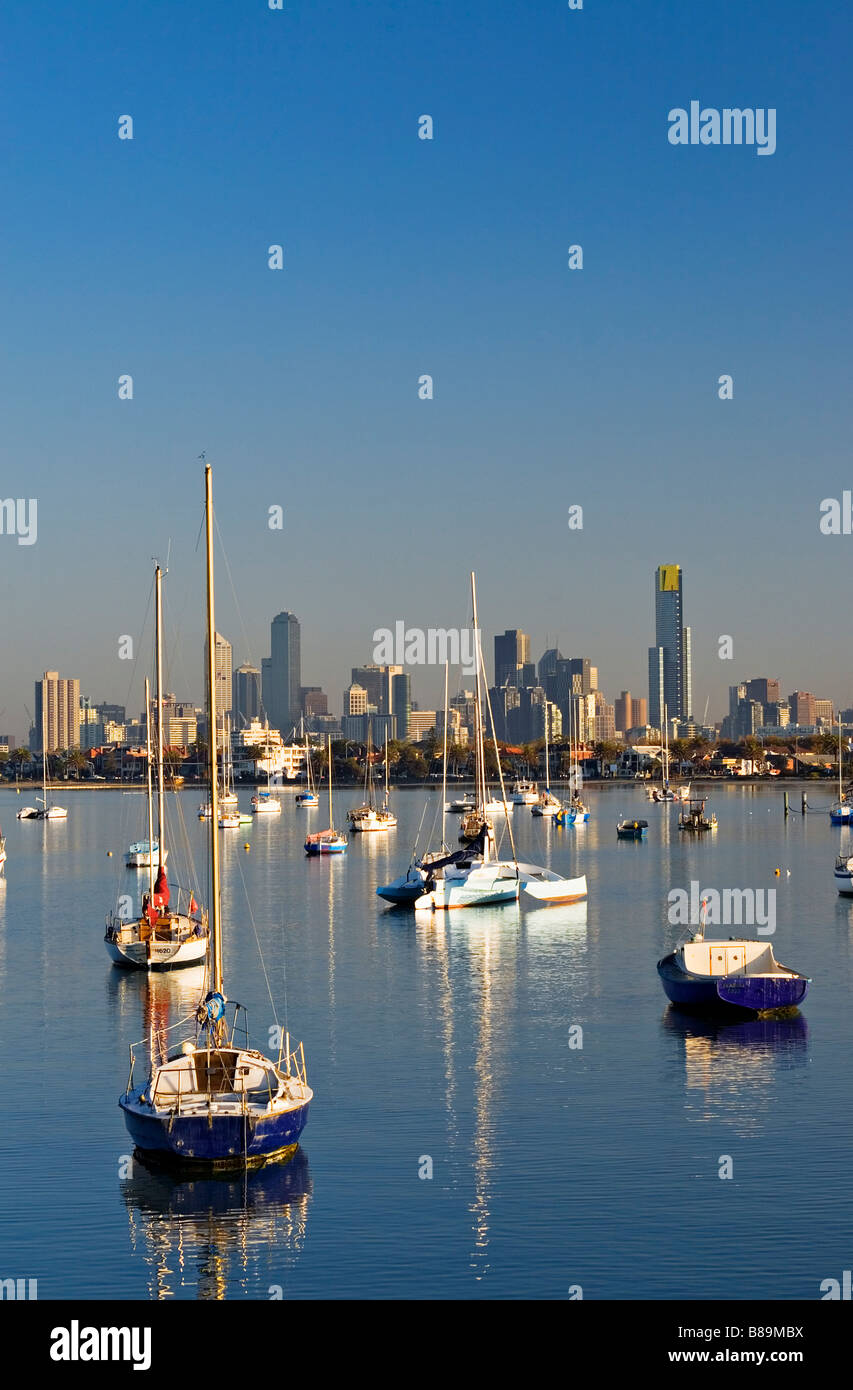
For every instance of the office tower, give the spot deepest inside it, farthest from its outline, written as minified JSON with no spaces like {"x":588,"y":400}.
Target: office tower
{"x":57,"y":712}
{"x":116,"y":713}
{"x":641,"y":712}
{"x":372,"y":679}
{"x":760,"y":688}
{"x":670,"y":672}
{"x":823,"y":710}
{"x":512,"y":653}
{"x":547,"y":668}
{"x":401,"y":702}
{"x":222,"y":667}
{"x":285,"y":673}
{"x":623,"y":712}
{"x":91,"y":725}
{"x":355,"y":700}
{"x":802,"y":705}
{"x":777,"y":714}
{"x":580,"y":672}
{"x":245,"y":696}
{"x":736,"y":694}
{"x":266,"y":688}
{"x":314,"y":701}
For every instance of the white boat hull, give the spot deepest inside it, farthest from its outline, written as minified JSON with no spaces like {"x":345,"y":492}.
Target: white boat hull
{"x":494,"y":882}
{"x":143,"y":859}
{"x":547,"y":886}
{"x":126,"y":949}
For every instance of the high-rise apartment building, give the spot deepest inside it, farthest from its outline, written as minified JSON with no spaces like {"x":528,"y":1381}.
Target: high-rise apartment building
{"x":671,"y":658}
{"x":222,"y":665}
{"x":57,"y":713}
{"x":623,"y":712}
{"x":245,"y":696}
{"x":284,"y":678}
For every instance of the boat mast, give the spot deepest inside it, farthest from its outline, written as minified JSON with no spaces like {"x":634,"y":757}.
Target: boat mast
{"x":479,"y":758}
{"x":331,"y":822}
{"x":386,"y":767}
{"x":161,"y":816}
{"x":150,"y":798}
{"x":215,"y":924}
{"x":839,"y":759}
{"x":444,"y":760}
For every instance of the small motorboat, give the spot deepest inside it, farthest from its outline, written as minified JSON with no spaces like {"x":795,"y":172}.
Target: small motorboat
{"x":632,"y":829}
{"x":307,"y":799}
{"x":841,"y":813}
{"x":229,"y":820}
{"x":524,"y":794}
{"x":733,"y":974}
{"x":462,"y":803}
{"x":695,"y":819}
{"x":141,"y":855}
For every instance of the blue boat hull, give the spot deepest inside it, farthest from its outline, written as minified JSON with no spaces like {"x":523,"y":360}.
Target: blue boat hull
{"x":229,"y":1142}
{"x":751,"y":993}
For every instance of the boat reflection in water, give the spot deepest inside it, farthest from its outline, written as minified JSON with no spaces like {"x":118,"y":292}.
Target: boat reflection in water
{"x":214,"y":1237}
{"x":556,"y":920}
{"x":734,"y":1071}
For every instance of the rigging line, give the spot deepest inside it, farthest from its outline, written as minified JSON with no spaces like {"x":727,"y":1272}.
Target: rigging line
{"x":257,"y":938}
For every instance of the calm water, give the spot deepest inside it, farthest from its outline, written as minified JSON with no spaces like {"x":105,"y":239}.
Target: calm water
{"x":551,"y":1166}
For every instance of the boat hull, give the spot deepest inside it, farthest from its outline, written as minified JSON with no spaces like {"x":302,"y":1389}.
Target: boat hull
{"x":228,"y":1141}
{"x":134,"y":955}
{"x":750,"y":993}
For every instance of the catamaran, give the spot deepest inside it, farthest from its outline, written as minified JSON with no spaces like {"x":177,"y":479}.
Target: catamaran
{"x":212,"y":1101}
{"x":473,"y":876}
{"x":329,"y":841}
{"x":162,"y":937}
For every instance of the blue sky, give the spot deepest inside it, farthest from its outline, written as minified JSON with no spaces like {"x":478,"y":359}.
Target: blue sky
{"x":403,"y":257}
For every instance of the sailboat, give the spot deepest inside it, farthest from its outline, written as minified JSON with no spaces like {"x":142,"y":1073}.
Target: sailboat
{"x":263,"y":802}
{"x":368,"y":816}
{"x":329,"y":841}
{"x":308,"y":798}
{"x":405,"y":890}
{"x":547,"y":804}
{"x":160,"y":938}
{"x":45,"y":811}
{"x":577,"y":812}
{"x":2,"y":853}
{"x":473,"y":876}
{"x":842,"y":812}
{"x":213,"y":1101}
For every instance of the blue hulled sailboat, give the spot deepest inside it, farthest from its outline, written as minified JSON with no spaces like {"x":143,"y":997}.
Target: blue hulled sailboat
{"x":212,"y":1101}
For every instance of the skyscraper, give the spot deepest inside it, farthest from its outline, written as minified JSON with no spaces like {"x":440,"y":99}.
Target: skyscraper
{"x":401,"y":702}
{"x":670,"y":659}
{"x":246,"y":695}
{"x":57,"y":704}
{"x":285,"y":673}
{"x":222,"y":666}
{"x":512,"y":653}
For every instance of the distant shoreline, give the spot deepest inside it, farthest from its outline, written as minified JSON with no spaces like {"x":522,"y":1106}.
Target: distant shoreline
{"x":617,"y":783}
